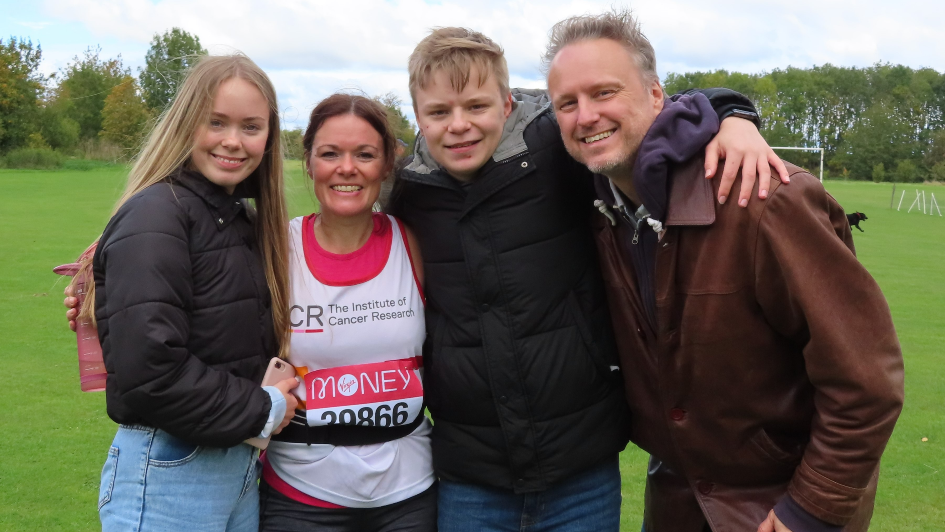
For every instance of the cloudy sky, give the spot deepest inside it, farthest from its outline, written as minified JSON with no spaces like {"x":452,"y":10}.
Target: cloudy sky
{"x":311,"y":48}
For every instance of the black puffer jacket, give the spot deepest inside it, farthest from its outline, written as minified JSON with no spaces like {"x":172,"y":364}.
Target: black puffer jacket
{"x":518,"y":372}
{"x":184,"y":313}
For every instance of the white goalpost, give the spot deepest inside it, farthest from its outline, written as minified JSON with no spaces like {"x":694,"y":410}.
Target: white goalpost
{"x":821,"y":150}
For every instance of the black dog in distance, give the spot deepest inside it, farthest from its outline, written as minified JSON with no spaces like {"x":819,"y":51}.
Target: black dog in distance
{"x":855,"y":218}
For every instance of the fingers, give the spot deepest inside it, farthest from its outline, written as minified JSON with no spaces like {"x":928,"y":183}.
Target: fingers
{"x":69,"y":291}
{"x":732,"y":162}
{"x":749,"y":175}
{"x":778,"y":165}
{"x":764,"y":178}
{"x":711,"y":158}
{"x":768,"y":524}
{"x":286,"y":386}
{"x":72,"y":325}
{"x":70,"y":302}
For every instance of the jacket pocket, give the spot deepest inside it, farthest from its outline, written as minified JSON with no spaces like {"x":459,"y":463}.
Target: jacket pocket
{"x":170,"y":451}
{"x":107,"y":484}
{"x":776,"y":454}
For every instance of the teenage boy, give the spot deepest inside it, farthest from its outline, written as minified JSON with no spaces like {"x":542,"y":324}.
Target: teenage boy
{"x":759,"y":356}
{"x":520,"y":364}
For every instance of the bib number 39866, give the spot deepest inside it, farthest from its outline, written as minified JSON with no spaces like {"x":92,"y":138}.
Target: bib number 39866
{"x":383,"y":394}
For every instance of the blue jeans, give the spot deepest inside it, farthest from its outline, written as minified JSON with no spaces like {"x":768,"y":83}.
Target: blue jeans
{"x":588,"y":502}
{"x":153,"y":481}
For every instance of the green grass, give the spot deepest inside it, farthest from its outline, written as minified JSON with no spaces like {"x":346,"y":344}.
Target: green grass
{"x":54,"y":437}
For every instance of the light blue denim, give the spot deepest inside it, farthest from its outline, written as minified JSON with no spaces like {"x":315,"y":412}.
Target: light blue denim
{"x":153,"y":481}
{"x":587,"y":502}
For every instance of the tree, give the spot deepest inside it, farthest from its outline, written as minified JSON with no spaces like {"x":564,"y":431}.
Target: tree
{"x":168,"y":59}
{"x":21,"y":86}
{"x":292,"y":144}
{"x":86,"y":82}
{"x":906,"y":172}
{"x":879,"y":173}
{"x":60,"y":131}
{"x":125,"y":116}
{"x":401,"y":127}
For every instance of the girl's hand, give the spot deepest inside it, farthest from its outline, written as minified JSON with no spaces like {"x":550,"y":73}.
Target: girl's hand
{"x":286,"y":386}
{"x":71,"y":302}
{"x":741,"y":145}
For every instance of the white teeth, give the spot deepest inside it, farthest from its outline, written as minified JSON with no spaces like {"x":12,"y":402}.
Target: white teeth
{"x":228,"y":161}
{"x":599,"y":136}
{"x":346,"y":188}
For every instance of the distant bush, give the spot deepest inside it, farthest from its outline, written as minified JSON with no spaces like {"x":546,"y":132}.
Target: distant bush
{"x":35,"y":158}
{"x":879,"y":173}
{"x":86,"y":164}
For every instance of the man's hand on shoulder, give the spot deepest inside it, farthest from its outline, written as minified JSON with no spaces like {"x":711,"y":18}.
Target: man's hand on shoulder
{"x":772,"y":524}
{"x":741,"y":145}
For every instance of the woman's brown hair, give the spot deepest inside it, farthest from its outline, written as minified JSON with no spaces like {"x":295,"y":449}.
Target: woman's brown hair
{"x":340,"y":104}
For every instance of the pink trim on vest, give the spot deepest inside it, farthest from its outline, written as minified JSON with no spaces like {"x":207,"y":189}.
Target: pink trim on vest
{"x":348,"y":269}
{"x":270,"y":476}
{"x":403,"y":234}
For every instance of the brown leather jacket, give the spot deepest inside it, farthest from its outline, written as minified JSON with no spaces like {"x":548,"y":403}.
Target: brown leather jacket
{"x":775,"y":367}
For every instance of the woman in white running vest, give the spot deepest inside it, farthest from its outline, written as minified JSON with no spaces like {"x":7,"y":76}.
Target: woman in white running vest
{"x":359,"y":457}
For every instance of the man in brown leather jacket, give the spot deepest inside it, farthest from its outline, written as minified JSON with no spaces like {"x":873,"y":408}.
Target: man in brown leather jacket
{"x":761,"y":364}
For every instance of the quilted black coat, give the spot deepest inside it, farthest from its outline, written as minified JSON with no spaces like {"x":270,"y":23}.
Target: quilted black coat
{"x":184,"y":313}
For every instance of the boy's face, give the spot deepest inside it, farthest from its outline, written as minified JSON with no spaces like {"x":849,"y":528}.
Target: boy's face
{"x":462,"y":129}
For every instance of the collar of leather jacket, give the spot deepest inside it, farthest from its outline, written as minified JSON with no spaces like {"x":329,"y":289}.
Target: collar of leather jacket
{"x":691,"y":198}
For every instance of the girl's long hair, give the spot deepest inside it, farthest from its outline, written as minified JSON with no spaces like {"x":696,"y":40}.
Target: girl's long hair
{"x":169,"y":147}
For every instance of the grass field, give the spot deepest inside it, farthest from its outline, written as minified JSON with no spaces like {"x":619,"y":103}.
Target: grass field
{"x":54,"y":437}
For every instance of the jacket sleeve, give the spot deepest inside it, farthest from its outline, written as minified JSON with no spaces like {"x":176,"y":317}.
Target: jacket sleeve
{"x":726,"y":102}
{"x":148,"y":296}
{"x":814,"y":291}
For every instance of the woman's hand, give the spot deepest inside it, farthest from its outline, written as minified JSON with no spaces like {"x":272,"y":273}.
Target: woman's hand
{"x":741,"y":145}
{"x":71,"y":302}
{"x":286,"y":386}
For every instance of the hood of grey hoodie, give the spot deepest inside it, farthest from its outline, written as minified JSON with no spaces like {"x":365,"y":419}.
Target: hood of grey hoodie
{"x":527,"y":105}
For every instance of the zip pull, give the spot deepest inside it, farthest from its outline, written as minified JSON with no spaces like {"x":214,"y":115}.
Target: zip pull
{"x":636,"y":236}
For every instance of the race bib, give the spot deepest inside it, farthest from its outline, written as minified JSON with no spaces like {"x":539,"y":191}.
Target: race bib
{"x":383,"y":394}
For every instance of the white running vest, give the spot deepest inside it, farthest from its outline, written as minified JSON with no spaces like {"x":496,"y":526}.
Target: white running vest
{"x":361,"y":347}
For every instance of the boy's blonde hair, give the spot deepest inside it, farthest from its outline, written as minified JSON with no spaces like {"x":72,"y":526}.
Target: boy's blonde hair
{"x":169,"y":146}
{"x":457,"y":51}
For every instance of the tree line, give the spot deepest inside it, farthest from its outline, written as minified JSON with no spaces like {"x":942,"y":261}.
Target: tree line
{"x":95,"y":108}
{"x":881,"y":123}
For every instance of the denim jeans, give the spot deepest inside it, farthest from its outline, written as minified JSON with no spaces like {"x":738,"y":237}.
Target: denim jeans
{"x":588,"y":502}
{"x":153,"y":481}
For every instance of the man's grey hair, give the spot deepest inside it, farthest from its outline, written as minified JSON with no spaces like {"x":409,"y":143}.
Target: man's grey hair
{"x":617,"y":25}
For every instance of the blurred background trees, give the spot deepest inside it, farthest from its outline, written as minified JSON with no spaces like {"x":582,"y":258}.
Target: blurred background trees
{"x":882,"y":123}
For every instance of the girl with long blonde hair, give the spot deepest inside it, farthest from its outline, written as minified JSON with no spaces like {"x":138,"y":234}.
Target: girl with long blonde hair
{"x":190,"y":300}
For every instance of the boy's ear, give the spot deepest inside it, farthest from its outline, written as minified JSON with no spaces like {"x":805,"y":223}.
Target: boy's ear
{"x":507,"y":108}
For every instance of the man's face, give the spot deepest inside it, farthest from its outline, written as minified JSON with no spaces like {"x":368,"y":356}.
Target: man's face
{"x":602,"y":104}
{"x":462,"y":129}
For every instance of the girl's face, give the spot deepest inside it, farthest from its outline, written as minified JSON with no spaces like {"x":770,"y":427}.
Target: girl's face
{"x":231,"y":144}
{"x":347,"y":165}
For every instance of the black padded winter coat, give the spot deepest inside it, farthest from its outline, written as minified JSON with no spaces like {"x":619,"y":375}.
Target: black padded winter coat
{"x":519,"y":363}
{"x":184,"y":313}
